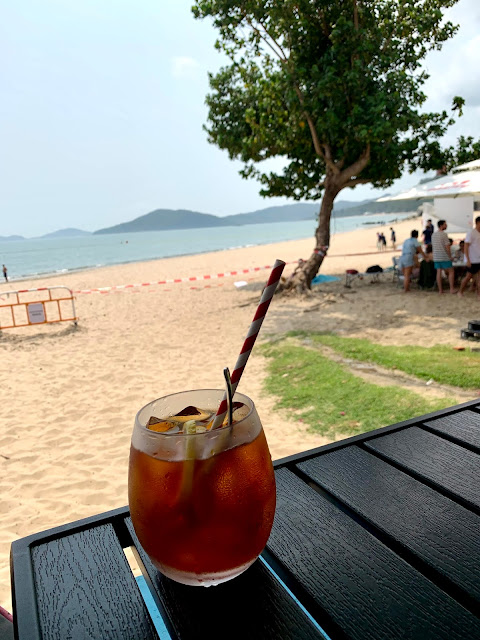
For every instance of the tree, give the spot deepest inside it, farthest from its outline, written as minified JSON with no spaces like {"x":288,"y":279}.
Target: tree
{"x":333,"y":88}
{"x":467,"y":149}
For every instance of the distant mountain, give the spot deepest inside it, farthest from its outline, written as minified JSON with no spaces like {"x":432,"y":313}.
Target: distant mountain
{"x":166,"y":219}
{"x":343,"y":205}
{"x":395,"y":206}
{"x":9,"y":238}
{"x":66,"y":233}
{"x":283,"y":213}
{"x":291,"y":212}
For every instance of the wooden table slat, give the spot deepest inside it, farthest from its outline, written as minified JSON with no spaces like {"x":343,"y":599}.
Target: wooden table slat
{"x":253,"y":606}
{"x":85,"y":589}
{"x":462,"y":427}
{"x":442,"y":533}
{"x":368,"y":591}
{"x":449,"y":466}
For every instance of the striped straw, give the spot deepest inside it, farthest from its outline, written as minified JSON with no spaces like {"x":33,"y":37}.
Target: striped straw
{"x":252,"y":334}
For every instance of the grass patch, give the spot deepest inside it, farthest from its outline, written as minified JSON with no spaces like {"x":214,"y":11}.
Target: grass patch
{"x":442,"y":363}
{"x":329,"y":399}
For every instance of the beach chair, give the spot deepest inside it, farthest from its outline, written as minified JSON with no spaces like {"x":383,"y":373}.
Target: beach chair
{"x":350,"y":276}
{"x":353,"y":274}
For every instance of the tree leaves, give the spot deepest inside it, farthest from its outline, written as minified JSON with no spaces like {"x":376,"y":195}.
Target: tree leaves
{"x":309,"y":84}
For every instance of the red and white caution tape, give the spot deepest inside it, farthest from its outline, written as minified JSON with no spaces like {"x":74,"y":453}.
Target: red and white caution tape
{"x":215,"y":276}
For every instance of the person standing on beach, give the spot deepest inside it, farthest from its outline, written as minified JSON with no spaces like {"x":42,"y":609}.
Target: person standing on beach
{"x":472,"y":255}
{"x":393,"y":237}
{"x":5,"y":272}
{"x":428,"y":232}
{"x":408,"y":260}
{"x":442,"y":256}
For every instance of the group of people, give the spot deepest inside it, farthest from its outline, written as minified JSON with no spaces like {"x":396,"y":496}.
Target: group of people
{"x":382,"y":240}
{"x":438,"y":257}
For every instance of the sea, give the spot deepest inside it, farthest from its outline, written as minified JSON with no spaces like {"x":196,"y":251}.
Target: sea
{"x":40,"y":257}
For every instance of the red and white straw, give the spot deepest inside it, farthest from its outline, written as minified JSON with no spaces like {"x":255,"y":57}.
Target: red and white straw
{"x":252,"y":334}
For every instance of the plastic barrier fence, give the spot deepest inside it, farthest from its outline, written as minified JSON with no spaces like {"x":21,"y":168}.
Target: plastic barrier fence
{"x":45,"y":305}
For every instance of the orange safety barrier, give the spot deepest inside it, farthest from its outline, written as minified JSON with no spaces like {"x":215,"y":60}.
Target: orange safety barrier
{"x":37,"y":306}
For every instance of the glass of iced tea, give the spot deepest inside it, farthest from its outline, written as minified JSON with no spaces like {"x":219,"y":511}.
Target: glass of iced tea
{"x":202,"y":501}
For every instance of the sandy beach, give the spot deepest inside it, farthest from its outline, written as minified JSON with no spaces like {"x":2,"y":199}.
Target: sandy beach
{"x":69,"y":395}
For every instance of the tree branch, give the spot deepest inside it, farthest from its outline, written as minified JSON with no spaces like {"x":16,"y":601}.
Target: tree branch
{"x":280,"y":54}
{"x":325,"y":152}
{"x":357,"y":167}
{"x":317,"y":145}
{"x":353,"y":181}
{"x":280,"y":48}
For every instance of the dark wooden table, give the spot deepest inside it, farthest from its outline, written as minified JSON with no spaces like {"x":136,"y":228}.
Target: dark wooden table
{"x":375,"y":537}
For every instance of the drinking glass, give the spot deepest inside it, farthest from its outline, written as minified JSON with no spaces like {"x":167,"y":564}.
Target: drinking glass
{"x":202,"y":505}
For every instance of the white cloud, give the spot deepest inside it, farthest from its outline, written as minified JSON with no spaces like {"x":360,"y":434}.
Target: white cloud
{"x":184,"y":67}
{"x":456,"y":73}
{"x":454,"y":70}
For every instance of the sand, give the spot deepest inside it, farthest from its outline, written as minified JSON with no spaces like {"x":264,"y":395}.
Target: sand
{"x":69,"y":395}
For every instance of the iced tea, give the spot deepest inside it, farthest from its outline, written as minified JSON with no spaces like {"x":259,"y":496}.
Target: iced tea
{"x":202,"y":503}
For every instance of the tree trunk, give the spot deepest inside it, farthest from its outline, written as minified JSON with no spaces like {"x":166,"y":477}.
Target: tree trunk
{"x":301,"y":279}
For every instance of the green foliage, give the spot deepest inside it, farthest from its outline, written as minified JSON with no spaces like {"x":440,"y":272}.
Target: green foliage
{"x":467,"y":149}
{"x":330,"y":400}
{"x":334,"y":88}
{"x":440,"y":363}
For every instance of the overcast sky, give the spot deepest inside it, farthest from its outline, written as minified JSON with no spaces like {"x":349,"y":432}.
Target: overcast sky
{"x":102,"y":106}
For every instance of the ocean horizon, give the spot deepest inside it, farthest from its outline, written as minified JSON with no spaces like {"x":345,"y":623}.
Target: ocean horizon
{"x":41,"y":257}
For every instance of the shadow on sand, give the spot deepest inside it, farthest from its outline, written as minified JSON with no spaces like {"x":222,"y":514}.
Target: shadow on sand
{"x":53,"y":333}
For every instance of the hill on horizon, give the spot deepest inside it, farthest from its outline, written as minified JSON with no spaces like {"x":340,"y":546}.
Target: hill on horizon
{"x":282,"y":213}
{"x":10,"y":238}
{"x":66,"y":233}
{"x":395,"y":206}
{"x":164,"y":220}
{"x":167,"y":219}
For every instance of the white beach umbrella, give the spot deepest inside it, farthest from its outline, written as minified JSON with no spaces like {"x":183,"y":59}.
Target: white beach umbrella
{"x":456,"y":197}
{"x":465,"y":183}
{"x":468,"y":166}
